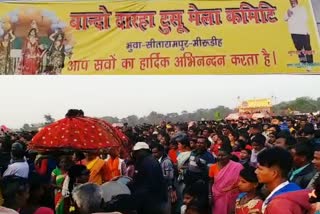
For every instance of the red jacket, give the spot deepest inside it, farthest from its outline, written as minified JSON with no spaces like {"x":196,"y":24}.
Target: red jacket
{"x":296,"y":202}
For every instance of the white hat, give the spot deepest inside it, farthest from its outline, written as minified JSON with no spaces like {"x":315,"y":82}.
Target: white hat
{"x":140,"y":145}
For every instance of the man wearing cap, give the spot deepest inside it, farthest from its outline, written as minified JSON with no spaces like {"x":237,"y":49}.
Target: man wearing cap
{"x":19,"y":166}
{"x":148,"y":186}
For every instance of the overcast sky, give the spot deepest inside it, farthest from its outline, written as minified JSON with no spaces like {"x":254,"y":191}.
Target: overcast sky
{"x":25,"y":99}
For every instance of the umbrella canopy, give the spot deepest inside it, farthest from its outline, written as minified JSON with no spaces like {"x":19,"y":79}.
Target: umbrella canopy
{"x":123,"y":139}
{"x":76,"y":133}
{"x":110,"y":128}
{"x":4,"y":128}
{"x":233,"y":116}
{"x":256,"y":116}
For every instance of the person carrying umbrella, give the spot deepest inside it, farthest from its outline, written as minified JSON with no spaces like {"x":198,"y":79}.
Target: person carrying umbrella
{"x":115,"y":165}
{"x":98,"y":168}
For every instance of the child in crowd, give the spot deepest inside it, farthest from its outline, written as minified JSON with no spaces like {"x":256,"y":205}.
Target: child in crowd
{"x":249,"y":200}
{"x":197,"y":193}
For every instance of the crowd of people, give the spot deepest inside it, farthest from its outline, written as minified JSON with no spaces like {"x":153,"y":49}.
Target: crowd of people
{"x":221,"y":167}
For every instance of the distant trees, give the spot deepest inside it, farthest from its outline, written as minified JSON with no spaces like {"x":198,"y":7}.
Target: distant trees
{"x":48,"y":119}
{"x":217,"y":113}
{"x":302,"y":104}
{"x":26,"y":127}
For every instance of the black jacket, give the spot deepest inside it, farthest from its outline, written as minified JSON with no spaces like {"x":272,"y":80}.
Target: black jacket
{"x":303,"y":178}
{"x":148,"y":187}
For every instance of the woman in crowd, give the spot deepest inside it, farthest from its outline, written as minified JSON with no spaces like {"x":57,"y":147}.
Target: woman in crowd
{"x":78,"y":157}
{"x":77,"y":175}
{"x":196,"y":193}
{"x":183,"y":157}
{"x":249,"y":201}
{"x":244,"y":157}
{"x":233,"y":138}
{"x":36,"y":197}
{"x":58,"y":176}
{"x":220,"y":142}
{"x":224,"y":176}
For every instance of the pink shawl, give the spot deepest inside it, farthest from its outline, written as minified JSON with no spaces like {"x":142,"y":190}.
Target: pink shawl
{"x":228,"y":176}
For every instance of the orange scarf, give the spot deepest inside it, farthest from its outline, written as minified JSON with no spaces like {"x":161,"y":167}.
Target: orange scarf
{"x":113,"y":168}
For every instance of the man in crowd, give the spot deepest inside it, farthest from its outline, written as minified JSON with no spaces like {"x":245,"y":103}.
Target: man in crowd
{"x":303,"y":170}
{"x":115,"y":165}
{"x":167,"y":171}
{"x":88,"y":198}
{"x":285,"y":141}
{"x":254,"y":130}
{"x":274,"y":166}
{"x":258,"y":145}
{"x":199,"y":161}
{"x":15,"y":192}
{"x":19,"y":166}
{"x":148,"y":187}
{"x":316,"y":163}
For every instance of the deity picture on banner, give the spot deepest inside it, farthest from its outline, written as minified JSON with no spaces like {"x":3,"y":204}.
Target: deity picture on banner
{"x":34,"y":42}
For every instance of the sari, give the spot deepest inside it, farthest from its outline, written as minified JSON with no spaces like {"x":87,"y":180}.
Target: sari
{"x":98,"y":171}
{"x":30,"y":57}
{"x":58,"y":199}
{"x":182,"y":158}
{"x":227,"y":177}
{"x":5,"y":57}
{"x":254,"y":206}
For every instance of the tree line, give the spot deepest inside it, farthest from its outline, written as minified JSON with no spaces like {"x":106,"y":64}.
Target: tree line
{"x":301,"y":104}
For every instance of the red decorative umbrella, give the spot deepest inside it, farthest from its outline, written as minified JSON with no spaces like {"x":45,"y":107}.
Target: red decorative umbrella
{"x":113,"y":130}
{"x":76,"y":133}
{"x":256,"y":116}
{"x":233,"y":116}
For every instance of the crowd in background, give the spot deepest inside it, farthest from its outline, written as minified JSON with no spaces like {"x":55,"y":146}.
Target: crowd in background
{"x":219,"y":167}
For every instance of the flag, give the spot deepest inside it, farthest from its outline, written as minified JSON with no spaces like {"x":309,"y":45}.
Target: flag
{"x":217,"y":115}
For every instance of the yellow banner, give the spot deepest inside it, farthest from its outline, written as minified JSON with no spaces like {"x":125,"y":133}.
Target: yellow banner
{"x":159,"y":37}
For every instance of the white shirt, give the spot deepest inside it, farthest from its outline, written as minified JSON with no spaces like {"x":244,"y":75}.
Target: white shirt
{"x":265,"y":203}
{"x":160,"y":159}
{"x":298,"y":21}
{"x":183,"y":209}
{"x":4,"y":210}
{"x":254,"y":156}
{"x":20,"y":169}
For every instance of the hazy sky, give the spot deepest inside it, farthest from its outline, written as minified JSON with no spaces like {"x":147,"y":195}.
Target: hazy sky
{"x":25,"y":99}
